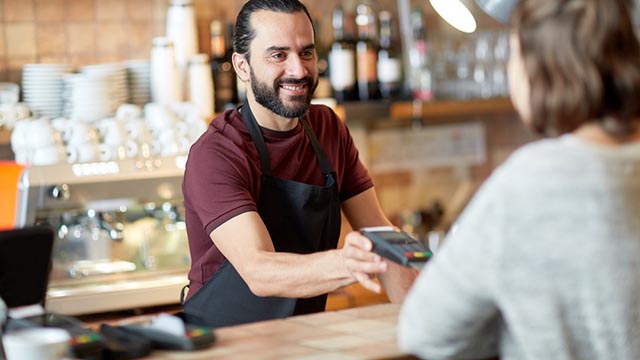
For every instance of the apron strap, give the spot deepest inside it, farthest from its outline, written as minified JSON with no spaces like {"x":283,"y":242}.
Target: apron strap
{"x":258,"y":139}
{"x":183,"y":293}
{"x":325,"y":166}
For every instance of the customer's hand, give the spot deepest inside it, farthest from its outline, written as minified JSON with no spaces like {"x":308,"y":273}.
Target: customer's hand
{"x":362,"y":262}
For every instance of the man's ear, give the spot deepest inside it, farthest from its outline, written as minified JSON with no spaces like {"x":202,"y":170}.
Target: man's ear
{"x":241,"y":65}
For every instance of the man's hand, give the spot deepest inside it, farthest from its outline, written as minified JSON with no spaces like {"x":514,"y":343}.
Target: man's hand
{"x":362,"y":262}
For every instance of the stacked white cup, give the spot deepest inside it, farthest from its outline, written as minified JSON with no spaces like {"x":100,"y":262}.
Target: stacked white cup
{"x":183,"y":32}
{"x":35,"y":141}
{"x":169,"y":130}
{"x":10,"y":113}
{"x":195,"y":121}
{"x":116,"y":143}
{"x":201,"y":85}
{"x":166,"y":86}
{"x":137,"y":129}
{"x":82,"y":141}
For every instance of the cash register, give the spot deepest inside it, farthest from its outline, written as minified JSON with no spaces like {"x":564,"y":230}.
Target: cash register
{"x":25,"y":262}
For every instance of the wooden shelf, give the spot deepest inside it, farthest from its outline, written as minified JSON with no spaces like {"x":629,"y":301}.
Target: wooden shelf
{"x":450,"y":108}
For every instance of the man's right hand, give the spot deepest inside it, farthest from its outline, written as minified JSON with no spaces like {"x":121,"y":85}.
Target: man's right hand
{"x":363,"y":264}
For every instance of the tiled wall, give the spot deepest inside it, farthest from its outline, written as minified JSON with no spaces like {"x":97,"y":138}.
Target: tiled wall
{"x":83,"y":32}
{"x":75,"y":31}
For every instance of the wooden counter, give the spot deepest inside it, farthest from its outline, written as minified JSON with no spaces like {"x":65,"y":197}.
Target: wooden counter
{"x":367,"y":332}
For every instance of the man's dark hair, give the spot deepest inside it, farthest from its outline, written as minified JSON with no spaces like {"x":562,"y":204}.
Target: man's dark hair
{"x":583,"y":62}
{"x":244,"y":33}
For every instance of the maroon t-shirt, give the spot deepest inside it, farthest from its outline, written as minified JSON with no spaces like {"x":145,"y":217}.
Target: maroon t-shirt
{"x":222,"y":175}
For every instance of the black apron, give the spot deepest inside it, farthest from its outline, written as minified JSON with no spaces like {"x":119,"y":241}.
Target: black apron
{"x":300,"y":218}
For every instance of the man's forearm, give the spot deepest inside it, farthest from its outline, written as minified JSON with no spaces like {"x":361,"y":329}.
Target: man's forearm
{"x":295,"y":275}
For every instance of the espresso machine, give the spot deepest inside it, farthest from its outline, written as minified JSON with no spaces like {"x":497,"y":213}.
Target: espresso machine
{"x":121,"y":239}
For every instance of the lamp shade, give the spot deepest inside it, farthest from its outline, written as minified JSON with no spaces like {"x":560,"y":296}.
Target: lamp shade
{"x":498,"y":9}
{"x":456,"y":13}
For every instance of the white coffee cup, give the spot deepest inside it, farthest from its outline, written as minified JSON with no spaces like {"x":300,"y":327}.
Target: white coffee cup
{"x":10,"y":113}
{"x":63,"y":125}
{"x":37,"y":344}
{"x":81,"y":132}
{"x":20,"y":136}
{"x":43,"y":134}
{"x":127,"y":150}
{"x":48,"y":155}
{"x":128,"y":112}
{"x":171,"y":143}
{"x":81,"y":153}
{"x":114,"y":133}
{"x":138,"y":130}
{"x":23,"y":155}
{"x":165,"y":121}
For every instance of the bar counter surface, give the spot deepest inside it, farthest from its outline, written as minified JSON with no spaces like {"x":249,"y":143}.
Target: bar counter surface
{"x":367,"y":332}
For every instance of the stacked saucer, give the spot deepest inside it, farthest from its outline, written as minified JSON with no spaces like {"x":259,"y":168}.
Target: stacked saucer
{"x":96,"y":91}
{"x":139,"y":75}
{"x":88,"y":97}
{"x":43,"y":88}
{"x":117,"y":78}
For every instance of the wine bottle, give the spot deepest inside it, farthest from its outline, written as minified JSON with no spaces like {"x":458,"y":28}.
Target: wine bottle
{"x":367,"y":52}
{"x":421,"y":81}
{"x":389,"y":62}
{"x":224,"y":76}
{"x":342,"y":66}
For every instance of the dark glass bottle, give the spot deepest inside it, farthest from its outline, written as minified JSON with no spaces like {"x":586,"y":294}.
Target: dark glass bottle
{"x":420,"y":81}
{"x":367,"y":52}
{"x":324,"y":89}
{"x":342,"y":60}
{"x":224,"y":77}
{"x":389,"y":62}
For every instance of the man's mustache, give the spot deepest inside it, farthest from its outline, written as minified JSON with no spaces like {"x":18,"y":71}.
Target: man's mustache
{"x":303,"y":81}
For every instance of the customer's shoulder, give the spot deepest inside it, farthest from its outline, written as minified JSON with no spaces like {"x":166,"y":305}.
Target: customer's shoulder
{"x":547,"y":150}
{"x":536,"y":161}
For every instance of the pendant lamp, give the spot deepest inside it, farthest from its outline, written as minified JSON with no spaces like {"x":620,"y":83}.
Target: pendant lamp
{"x":456,"y":13}
{"x":498,"y":9}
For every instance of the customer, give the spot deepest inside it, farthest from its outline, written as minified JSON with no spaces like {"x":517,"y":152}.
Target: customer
{"x":265,"y":184}
{"x":545,"y":261}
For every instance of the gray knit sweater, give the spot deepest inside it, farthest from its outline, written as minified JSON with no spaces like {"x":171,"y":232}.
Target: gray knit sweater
{"x":544,"y":263}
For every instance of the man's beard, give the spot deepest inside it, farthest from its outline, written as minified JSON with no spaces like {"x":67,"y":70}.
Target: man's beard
{"x":268,"y":96}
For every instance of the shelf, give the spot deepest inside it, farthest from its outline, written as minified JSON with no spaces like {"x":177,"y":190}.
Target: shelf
{"x":450,"y":108}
